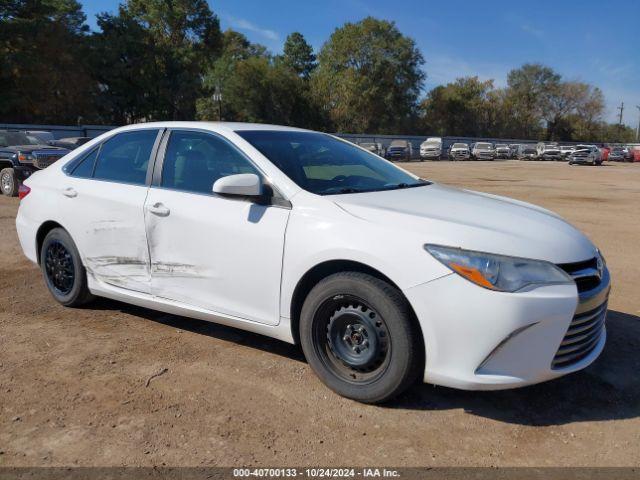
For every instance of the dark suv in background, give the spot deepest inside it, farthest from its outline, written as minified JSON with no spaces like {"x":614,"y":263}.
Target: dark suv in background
{"x":400,"y":150}
{"x":20,"y":156}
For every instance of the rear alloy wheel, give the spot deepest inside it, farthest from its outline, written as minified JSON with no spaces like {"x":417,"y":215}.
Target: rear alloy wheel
{"x":62,"y":268}
{"x":358,"y":335}
{"x":9,"y":182}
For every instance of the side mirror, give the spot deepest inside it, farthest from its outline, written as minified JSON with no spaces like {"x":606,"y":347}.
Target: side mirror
{"x":243,"y":185}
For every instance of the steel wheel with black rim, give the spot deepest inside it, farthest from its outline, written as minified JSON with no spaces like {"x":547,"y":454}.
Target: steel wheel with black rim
{"x":62,"y":269}
{"x":58,"y":265}
{"x":8,"y":182}
{"x":359,"y":336}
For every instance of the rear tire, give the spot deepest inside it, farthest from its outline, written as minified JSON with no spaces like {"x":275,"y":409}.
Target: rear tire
{"x":64,"y":274}
{"x":8,"y":182}
{"x":358,"y":335}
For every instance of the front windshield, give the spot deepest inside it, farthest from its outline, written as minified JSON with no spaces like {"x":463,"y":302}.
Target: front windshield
{"x":483,"y":146}
{"x":459,"y":145}
{"x":325,"y":165}
{"x":8,"y":139}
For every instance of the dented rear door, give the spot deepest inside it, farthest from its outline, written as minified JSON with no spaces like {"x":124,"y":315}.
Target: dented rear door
{"x":104,"y":210}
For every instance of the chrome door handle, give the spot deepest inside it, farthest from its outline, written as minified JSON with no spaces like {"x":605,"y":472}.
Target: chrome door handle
{"x":70,"y":192}
{"x":159,"y":209}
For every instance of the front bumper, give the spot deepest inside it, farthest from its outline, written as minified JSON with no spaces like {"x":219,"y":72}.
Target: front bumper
{"x":582,"y":160}
{"x":495,"y":340}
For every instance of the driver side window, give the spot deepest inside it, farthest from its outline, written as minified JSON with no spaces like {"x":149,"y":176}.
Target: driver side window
{"x":195,"y":160}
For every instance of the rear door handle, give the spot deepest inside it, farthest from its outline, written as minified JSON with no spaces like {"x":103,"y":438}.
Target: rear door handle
{"x":159,"y":209}
{"x":70,"y":192}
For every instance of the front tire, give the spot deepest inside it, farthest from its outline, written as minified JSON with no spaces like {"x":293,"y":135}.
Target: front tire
{"x":358,"y":335}
{"x":64,"y":274}
{"x":8,"y":182}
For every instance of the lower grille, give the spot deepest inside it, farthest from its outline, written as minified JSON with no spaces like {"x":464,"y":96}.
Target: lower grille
{"x":587,"y":326}
{"x":581,"y":338}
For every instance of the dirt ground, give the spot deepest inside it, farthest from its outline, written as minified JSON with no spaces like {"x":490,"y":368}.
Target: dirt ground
{"x":73,"y":382}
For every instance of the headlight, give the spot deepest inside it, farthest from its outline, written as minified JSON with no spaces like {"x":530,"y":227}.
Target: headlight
{"x":498,"y":272}
{"x":26,"y":158}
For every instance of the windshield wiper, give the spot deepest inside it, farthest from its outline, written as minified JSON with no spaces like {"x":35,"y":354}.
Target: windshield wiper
{"x":400,"y":186}
{"x":349,"y":190}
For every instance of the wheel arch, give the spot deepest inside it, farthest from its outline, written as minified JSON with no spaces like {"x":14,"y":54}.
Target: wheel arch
{"x":42,"y":232}
{"x":323,"y":270}
{"x":6,"y":163}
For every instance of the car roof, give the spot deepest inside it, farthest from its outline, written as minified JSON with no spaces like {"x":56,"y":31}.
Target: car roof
{"x":214,"y":126}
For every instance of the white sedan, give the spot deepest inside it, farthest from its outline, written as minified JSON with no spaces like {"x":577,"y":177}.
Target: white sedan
{"x":381,"y":276}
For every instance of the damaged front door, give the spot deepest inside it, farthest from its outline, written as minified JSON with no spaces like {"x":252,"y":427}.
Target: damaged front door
{"x":215,"y":253}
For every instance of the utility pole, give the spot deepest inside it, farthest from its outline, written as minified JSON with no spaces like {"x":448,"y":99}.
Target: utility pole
{"x":621,"y":108}
{"x":638,"y":129}
{"x":217,"y":97}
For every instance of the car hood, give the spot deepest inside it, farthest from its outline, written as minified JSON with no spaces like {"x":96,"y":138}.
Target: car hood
{"x":33,"y":148}
{"x":472,"y":220}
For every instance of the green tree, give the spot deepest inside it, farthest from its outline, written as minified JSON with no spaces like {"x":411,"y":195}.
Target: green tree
{"x":588,"y":118}
{"x":529,"y":89}
{"x":235,"y":48}
{"x":298,"y":55}
{"x":368,"y":78}
{"x":184,"y":37}
{"x":123,"y":63}
{"x":41,"y":48}
{"x":459,"y":108}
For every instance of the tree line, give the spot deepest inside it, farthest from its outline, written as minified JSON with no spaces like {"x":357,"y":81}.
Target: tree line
{"x":170,"y":60}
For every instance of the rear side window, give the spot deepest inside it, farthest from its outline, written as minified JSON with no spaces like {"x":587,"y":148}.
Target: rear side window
{"x":195,"y":160}
{"x":125,"y":157}
{"x":84,"y":169}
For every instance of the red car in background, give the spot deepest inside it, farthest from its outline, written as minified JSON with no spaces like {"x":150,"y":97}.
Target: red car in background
{"x":635,"y":151}
{"x":604,"y":152}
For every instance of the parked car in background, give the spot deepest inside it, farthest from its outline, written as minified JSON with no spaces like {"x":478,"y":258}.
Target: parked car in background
{"x":482,"y":151}
{"x":566,"y":150}
{"x":526,"y":152}
{"x":431,"y":148}
{"x":20,"y":156}
{"x":70,"y":143}
{"x":513,"y":150}
{"x":400,"y":150}
{"x":548,"y":151}
{"x":635,"y":152}
{"x":620,"y":154}
{"x":586,"y":155}
{"x":502,"y":150}
{"x":459,"y":151}
{"x":604,"y":152}
{"x":269,"y":229}
{"x":42,"y":136}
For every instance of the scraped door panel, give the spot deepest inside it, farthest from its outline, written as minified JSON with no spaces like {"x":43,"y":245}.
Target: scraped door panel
{"x":216,"y":253}
{"x":103,"y":204}
{"x":108,"y":227}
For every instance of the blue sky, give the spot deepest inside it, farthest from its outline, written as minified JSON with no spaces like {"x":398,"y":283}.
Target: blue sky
{"x":591,"y":41}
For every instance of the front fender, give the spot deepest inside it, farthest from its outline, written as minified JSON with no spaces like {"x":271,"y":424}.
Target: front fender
{"x":316,"y":235}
